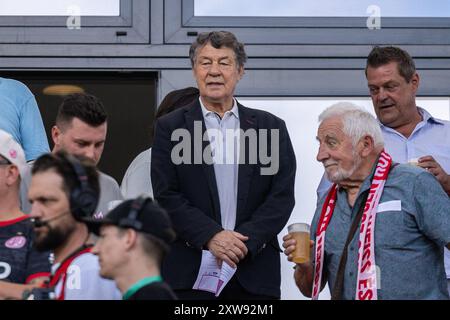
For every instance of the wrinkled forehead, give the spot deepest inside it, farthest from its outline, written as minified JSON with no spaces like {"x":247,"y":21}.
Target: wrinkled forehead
{"x":332,"y":126}
{"x":208,"y":51}
{"x":48,"y":183}
{"x":384,"y":72}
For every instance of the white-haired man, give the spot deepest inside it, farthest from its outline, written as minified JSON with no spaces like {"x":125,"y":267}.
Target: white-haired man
{"x":411,"y":134}
{"x":381,"y":230}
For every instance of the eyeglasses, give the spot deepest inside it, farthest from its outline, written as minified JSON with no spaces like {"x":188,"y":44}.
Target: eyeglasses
{"x":5,"y":162}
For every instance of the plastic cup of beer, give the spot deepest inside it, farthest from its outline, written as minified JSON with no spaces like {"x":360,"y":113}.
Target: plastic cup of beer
{"x":300,"y":232}
{"x":414,"y":162}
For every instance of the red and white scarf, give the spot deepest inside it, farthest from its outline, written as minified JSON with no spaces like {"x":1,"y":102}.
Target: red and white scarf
{"x":366,"y":284}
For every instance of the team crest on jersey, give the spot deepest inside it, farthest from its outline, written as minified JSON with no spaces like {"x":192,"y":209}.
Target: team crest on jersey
{"x":16,"y":242}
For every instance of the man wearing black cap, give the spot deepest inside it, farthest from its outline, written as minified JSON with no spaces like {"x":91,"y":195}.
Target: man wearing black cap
{"x":133,"y":241}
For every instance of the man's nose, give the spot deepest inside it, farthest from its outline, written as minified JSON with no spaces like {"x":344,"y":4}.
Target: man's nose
{"x":214,"y":69}
{"x":382,"y":94}
{"x":35,"y":211}
{"x":89,"y":152}
{"x":322,"y":154}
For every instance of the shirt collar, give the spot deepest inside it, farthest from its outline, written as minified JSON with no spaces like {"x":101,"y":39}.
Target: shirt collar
{"x":139,"y":285}
{"x":428,"y":117}
{"x":206,"y":112}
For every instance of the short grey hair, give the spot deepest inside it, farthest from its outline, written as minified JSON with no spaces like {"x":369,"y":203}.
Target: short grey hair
{"x":356,"y":121}
{"x":219,"y":39}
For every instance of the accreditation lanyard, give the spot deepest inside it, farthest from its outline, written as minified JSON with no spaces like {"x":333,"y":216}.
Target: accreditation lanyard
{"x":61,"y":272}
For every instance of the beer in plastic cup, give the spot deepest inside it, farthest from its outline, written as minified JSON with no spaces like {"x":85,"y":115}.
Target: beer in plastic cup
{"x":414,"y":162}
{"x":300,"y":232}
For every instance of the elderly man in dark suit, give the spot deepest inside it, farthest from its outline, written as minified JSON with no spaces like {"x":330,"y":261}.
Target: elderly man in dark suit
{"x":225,"y":173}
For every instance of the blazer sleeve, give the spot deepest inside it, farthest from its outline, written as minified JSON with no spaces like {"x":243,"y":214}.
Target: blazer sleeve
{"x":276,"y":207}
{"x":190,"y":223}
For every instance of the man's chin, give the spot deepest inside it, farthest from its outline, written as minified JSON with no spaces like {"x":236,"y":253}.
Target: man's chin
{"x":334,"y":179}
{"x":337,"y":176}
{"x":387,"y":116}
{"x":105,"y":275}
{"x":48,"y":241}
{"x":42,"y":245}
{"x":39,"y":240}
{"x":331,"y":175}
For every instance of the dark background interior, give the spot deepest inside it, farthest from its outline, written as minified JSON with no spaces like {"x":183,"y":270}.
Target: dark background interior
{"x":129,"y":99}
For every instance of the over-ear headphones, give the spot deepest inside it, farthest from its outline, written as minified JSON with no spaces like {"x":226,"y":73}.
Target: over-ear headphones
{"x":135,"y":208}
{"x":83,"y":199}
{"x":144,"y":215}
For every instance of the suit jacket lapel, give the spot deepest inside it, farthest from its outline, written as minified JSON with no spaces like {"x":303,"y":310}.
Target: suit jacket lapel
{"x":195,"y":115}
{"x":247,"y":121}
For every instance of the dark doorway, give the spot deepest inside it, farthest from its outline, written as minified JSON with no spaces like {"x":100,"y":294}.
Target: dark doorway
{"x":129,"y":98}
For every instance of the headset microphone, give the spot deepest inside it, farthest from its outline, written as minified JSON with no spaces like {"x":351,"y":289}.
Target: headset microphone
{"x":38,"y":223}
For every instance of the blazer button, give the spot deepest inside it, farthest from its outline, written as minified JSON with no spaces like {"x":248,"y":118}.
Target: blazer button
{"x":188,"y":244}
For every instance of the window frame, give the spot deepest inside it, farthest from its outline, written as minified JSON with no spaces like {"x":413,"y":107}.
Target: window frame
{"x":181,"y":24}
{"x":131,"y":26}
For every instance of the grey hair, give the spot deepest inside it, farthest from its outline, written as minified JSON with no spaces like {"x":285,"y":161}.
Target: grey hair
{"x":356,"y":121}
{"x":219,"y":39}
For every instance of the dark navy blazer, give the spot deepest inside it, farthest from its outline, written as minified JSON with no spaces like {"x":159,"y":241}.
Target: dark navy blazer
{"x":189,"y":193}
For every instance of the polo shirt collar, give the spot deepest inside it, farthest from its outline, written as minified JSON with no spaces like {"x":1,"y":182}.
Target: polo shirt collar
{"x":206,"y":112}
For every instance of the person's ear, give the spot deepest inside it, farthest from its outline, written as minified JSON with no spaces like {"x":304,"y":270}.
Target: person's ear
{"x":12,"y":175}
{"x":366,"y":145}
{"x":56,"y":134}
{"x":130,"y":238}
{"x":415,"y":81}
{"x":241,"y":72}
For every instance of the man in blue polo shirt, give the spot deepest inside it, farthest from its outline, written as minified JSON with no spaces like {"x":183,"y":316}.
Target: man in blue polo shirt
{"x":21,"y":118}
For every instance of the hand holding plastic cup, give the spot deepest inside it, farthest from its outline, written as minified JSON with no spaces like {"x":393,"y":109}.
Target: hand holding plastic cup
{"x":414,"y":162}
{"x":300,"y":232}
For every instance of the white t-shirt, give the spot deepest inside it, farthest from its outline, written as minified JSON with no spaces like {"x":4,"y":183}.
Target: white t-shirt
{"x":136,"y":180}
{"x":110,"y":194}
{"x":84,"y":281}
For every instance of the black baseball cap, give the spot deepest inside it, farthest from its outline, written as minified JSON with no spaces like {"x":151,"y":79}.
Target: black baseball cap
{"x":141,"y":214}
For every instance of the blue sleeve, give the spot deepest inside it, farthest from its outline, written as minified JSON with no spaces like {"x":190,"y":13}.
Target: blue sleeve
{"x":32,"y":131}
{"x":432,"y":208}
